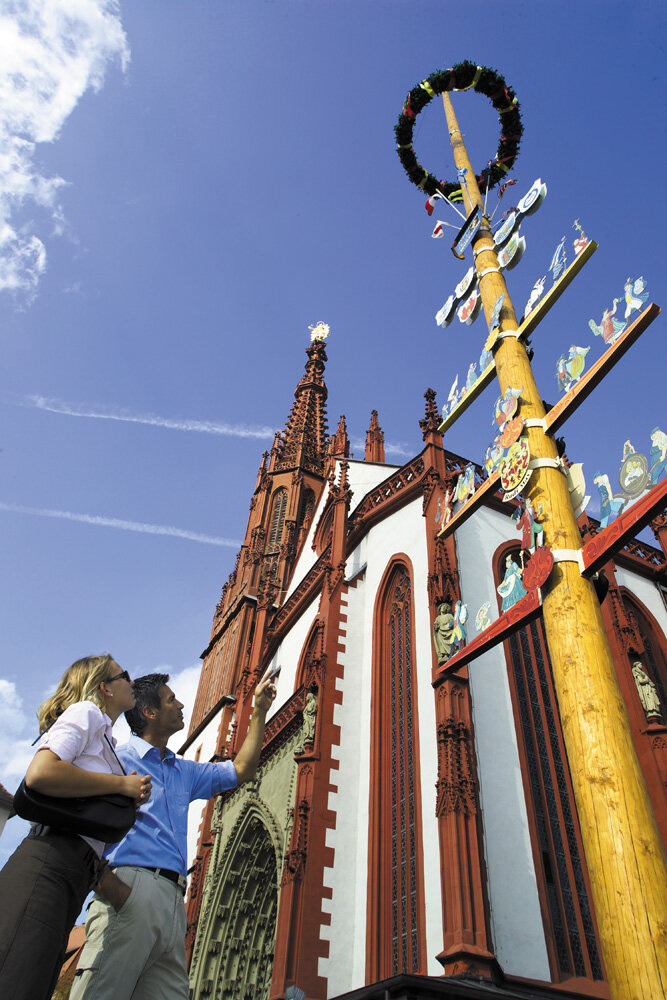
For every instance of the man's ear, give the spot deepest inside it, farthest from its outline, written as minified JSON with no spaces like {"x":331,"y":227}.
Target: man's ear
{"x":149,"y":712}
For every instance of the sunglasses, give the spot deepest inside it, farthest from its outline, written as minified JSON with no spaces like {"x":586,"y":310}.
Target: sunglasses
{"x":123,"y":674}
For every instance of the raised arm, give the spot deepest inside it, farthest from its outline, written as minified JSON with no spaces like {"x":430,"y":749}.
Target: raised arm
{"x":50,"y":775}
{"x":247,"y":758}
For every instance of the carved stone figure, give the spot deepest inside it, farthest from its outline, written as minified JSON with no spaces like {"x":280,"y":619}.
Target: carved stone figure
{"x":647,"y":691}
{"x":309,"y":719}
{"x":443,"y":632}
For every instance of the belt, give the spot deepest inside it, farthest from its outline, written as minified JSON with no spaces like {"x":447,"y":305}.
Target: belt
{"x":179,"y":880}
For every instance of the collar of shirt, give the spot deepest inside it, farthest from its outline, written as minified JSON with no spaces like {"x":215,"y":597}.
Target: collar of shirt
{"x":142,"y":748}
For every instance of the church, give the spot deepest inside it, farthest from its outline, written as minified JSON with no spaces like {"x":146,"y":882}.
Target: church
{"x":409,"y":832}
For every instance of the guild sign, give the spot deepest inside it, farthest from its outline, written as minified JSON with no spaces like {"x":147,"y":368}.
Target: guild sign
{"x":633,"y":475}
{"x":469,"y":311}
{"x":514,"y":471}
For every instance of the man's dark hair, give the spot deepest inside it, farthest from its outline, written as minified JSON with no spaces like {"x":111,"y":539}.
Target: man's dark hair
{"x":147,"y":695}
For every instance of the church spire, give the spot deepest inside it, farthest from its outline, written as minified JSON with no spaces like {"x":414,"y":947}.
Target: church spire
{"x":303,"y":442}
{"x":339,"y":443}
{"x":374,"y":440}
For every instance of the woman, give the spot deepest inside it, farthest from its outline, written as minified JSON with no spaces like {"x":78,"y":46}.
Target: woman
{"x":46,"y":880}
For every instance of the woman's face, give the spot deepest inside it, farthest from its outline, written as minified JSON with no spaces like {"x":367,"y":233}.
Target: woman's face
{"x":119,"y":688}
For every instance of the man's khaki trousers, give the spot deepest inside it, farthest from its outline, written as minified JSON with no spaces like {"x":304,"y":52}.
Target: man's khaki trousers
{"x":139,"y":952}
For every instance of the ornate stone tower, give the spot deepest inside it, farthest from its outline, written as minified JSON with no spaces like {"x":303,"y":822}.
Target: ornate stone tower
{"x":290,"y":481}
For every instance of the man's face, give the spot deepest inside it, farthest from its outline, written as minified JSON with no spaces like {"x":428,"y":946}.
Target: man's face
{"x":170,"y":715}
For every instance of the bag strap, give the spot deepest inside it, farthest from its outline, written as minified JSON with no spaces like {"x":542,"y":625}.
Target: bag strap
{"x":114,"y":753}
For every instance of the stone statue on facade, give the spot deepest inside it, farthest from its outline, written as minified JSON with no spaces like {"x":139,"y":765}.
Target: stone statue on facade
{"x":443,"y":632}
{"x":309,"y":720}
{"x":648,"y":694}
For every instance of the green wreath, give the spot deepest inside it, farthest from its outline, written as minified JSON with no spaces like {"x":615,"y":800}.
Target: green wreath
{"x":463,"y":76}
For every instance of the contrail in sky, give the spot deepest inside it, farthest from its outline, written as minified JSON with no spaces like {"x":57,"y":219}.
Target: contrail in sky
{"x":108,"y":413}
{"x":114,"y":522}
{"x":53,"y":405}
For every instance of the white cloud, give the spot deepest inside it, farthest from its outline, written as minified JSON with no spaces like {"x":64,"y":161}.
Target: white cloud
{"x":17,"y":731}
{"x":53,"y":405}
{"x":51,"y":52}
{"x":115,"y":522}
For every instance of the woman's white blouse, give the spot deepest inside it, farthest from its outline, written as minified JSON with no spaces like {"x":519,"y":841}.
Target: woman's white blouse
{"x":78,"y":737}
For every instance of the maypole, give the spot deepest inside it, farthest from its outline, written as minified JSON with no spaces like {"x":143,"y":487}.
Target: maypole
{"x":624,"y":853}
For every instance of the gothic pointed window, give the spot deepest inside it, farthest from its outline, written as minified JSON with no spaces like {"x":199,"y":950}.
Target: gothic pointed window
{"x":557,"y":850}
{"x":395,"y":930}
{"x":277,"y":522}
{"x":654,"y":661}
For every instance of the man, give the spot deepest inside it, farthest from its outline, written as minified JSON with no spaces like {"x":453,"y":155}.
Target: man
{"x":135,"y":931}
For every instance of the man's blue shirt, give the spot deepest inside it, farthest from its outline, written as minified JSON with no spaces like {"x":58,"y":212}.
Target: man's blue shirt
{"x":159,"y":838}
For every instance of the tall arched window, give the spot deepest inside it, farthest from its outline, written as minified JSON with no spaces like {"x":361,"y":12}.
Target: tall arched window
{"x":395,"y":932}
{"x":557,"y":850}
{"x":277,"y":522}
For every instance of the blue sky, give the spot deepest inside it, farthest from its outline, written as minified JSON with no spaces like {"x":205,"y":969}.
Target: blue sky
{"x":185,"y":188}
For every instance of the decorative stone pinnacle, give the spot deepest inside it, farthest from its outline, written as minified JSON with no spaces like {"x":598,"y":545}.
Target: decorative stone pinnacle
{"x":431,"y":420}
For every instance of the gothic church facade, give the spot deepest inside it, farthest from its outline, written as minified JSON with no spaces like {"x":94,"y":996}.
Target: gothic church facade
{"x":403,"y":828}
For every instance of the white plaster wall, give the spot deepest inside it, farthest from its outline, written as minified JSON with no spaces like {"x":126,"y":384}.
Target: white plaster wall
{"x":345,"y":967}
{"x":288,"y":654}
{"x":516,"y":922}
{"x":362,"y":476}
{"x":647,"y":593}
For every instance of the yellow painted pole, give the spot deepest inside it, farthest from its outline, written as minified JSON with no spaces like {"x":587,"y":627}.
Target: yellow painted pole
{"x":624,"y":852}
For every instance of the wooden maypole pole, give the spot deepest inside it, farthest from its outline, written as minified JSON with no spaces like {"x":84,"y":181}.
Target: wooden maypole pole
{"x":626,"y":861}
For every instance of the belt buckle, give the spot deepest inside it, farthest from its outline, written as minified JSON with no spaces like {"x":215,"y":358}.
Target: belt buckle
{"x":182,"y":883}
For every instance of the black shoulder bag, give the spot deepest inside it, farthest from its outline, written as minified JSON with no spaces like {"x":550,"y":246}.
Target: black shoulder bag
{"x":102,"y":817}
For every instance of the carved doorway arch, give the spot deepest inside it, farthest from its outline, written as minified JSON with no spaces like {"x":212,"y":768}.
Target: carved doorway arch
{"x":238,"y":952}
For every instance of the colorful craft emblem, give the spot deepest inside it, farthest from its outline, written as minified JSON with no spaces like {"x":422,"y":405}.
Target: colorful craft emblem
{"x":609,"y":328}
{"x":491,"y":339}
{"x":576,"y":484}
{"x":610,"y":503}
{"x":514,"y":471}
{"x":469,"y":311}
{"x":482,"y":619}
{"x":635,"y":296}
{"x":466,"y":283}
{"x":465,"y":484}
{"x":511,"y":432}
{"x":533,"y":199}
{"x":459,"y":632}
{"x":471,"y":377}
{"x":658,"y":456}
{"x":581,"y":241}
{"x":570,"y":367}
{"x":511,"y":254}
{"x":633,"y":476}
{"x":511,"y":589}
{"x":535,"y":296}
{"x":506,"y":406}
{"x":494,"y":319}
{"x":503,"y":233}
{"x":528,"y":523}
{"x":444,"y":316}
{"x":537,"y":570}
{"x":557,"y":265}
{"x":485,"y":359}
{"x":494,"y":453}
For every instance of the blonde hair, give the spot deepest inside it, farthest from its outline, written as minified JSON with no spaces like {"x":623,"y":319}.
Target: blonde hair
{"x":80,"y":682}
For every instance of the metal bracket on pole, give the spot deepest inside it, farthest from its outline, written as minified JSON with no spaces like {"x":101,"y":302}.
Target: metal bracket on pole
{"x":569,"y":555}
{"x":507,"y":333}
{"x":536,"y":422}
{"x":489,"y":270}
{"x":547,"y":463}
